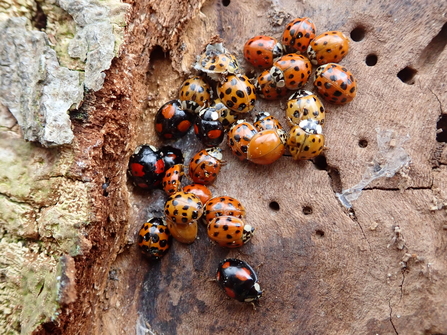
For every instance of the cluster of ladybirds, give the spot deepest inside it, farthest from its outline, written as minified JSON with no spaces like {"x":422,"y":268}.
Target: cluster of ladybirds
{"x":212,"y":115}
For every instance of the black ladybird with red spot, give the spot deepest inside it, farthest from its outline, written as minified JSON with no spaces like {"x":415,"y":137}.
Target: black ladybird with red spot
{"x":238,"y":280}
{"x":146,"y":167}
{"x":172,"y":121}
{"x":171,"y":156}
{"x":208,"y":128}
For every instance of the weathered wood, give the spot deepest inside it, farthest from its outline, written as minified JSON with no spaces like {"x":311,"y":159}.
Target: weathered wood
{"x":377,"y":268}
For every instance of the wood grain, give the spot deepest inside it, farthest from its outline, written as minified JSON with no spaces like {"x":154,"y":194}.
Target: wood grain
{"x":334,"y":270}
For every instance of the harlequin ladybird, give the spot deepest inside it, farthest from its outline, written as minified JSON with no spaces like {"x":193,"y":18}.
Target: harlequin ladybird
{"x":146,"y":167}
{"x":305,"y":141}
{"x":298,"y":34}
{"x":183,"y":233}
{"x":229,"y":231}
{"x":335,"y":83}
{"x":171,"y":121}
{"x":216,"y":61}
{"x":207,"y":127}
{"x":195,"y":90}
{"x":223,"y":206}
{"x":304,"y":105}
{"x":291,"y":71}
{"x":171,"y":156}
{"x":199,"y":190}
{"x":172,"y":180}
{"x":266,"y":87}
{"x":239,"y":137}
{"x":154,"y":238}
{"x":329,"y":47}
{"x":267,"y":146}
{"x":238,"y":280}
{"x":260,"y":51}
{"x":264,"y":121}
{"x":226,"y":116}
{"x":237,"y":93}
{"x":205,"y":166}
{"x":183,"y":208}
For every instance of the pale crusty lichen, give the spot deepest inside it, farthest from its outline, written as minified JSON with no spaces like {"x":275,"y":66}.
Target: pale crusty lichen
{"x":28,"y":286}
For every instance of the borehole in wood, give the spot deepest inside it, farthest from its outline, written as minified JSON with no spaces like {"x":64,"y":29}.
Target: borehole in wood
{"x":363,"y":143}
{"x":157,"y":53}
{"x":358,"y":34}
{"x":307,"y":210}
{"x":406,"y":75}
{"x":441,"y":125}
{"x":371,"y":60}
{"x":319,"y":233}
{"x":274,"y":206}
{"x":226,"y":2}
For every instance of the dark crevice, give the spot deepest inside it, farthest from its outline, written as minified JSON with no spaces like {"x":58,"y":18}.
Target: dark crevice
{"x":407,"y":74}
{"x":391,"y":318}
{"x":39,"y":19}
{"x":320,"y":163}
{"x":157,"y":53}
{"x":358,"y":34}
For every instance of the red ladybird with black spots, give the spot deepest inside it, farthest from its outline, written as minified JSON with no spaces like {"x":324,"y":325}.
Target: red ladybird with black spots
{"x":146,"y":167}
{"x":260,"y":51}
{"x":172,"y":121}
{"x":238,"y":280}
{"x":205,"y":166}
{"x":154,"y":238}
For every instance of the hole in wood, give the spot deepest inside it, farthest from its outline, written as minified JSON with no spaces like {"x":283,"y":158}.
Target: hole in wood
{"x":307,"y":210}
{"x":320,"y":162}
{"x":407,"y":75}
{"x":371,"y":60}
{"x":358,"y":34}
{"x":441,"y":136}
{"x":157,"y":53}
{"x":363,"y":143}
{"x":319,"y":233}
{"x":226,"y":2}
{"x":274,"y":206}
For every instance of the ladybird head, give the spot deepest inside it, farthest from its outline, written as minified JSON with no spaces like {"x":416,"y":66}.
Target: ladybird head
{"x":215,"y":152}
{"x":300,"y":94}
{"x":311,"y":126}
{"x":261,"y":116}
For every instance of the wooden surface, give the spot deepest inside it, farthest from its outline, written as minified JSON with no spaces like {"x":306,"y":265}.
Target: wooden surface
{"x":334,"y":270}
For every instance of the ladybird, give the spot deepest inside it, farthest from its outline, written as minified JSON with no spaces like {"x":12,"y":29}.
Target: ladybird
{"x":216,"y":61}
{"x":199,"y":190}
{"x":264,"y":121}
{"x":237,"y":93}
{"x":229,"y":231}
{"x":183,"y":208}
{"x":195,"y":89}
{"x":291,"y":71}
{"x":171,"y":156}
{"x":267,"y":146}
{"x":239,"y":137}
{"x":172,"y":180}
{"x":205,"y":165}
{"x":260,"y":51}
{"x":304,"y":105}
{"x":305,"y":141}
{"x":184,"y":233}
{"x":207,"y":127}
{"x":266,"y":87}
{"x":227,"y":117}
{"x":298,"y":34}
{"x":223,"y":206}
{"x":154,"y":238}
{"x":238,"y":280}
{"x":172,"y":121}
{"x":335,"y":83}
{"x":329,"y":47}
{"x":146,"y":167}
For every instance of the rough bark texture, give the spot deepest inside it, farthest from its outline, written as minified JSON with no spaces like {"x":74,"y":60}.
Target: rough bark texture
{"x":378,"y":267}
